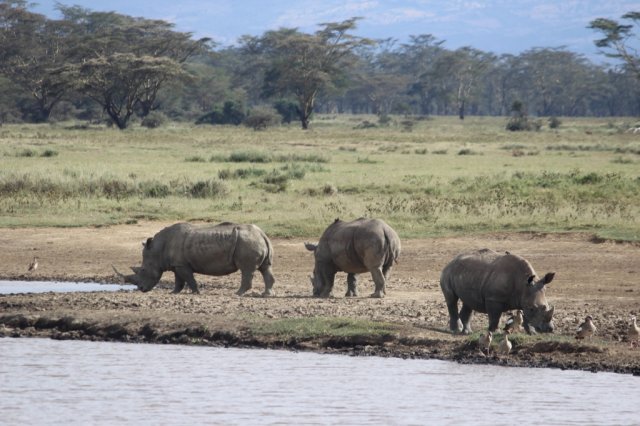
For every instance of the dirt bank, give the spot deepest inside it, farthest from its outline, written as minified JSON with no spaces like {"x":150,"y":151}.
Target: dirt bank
{"x":593,"y":277}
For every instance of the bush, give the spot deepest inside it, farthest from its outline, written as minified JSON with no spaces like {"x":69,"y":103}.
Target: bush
{"x":554,"y":122}
{"x":520,"y":121}
{"x":49,"y":153}
{"x":207,"y":189}
{"x":262,"y":117}
{"x":288,"y":110}
{"x":230,"y":113}
{"x":154,"y":120}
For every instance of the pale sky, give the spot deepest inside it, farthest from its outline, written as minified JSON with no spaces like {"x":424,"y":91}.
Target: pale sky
{"x":498,"y":26}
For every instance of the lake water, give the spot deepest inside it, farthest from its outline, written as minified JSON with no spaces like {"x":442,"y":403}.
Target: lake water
{"x":16,"y":287}
{"x":74,"y":382}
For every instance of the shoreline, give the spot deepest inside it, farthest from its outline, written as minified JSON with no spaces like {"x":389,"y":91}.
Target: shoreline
{"x":593,"y":277}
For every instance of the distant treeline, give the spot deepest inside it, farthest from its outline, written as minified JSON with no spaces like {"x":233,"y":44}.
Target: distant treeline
{"x":108,"y":67}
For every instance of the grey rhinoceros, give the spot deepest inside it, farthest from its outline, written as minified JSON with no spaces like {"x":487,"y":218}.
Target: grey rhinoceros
{"x":216,"y":250}
{"x":492,"y":283}
{"x":363,"y":245}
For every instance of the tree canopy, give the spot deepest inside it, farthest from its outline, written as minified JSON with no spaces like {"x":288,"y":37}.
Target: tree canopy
{"x":105,"y":65}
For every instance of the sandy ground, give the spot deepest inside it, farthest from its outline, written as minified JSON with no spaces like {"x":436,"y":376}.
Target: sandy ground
{"x":592,"y":277}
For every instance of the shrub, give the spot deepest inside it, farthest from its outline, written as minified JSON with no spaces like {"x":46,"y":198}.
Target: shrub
{"x":207,"y":189}
{"x":154,"y":120}
{"x":230,"y":113}
{"x":195,"y":159}
{"x":288,"y":110}
{"x":262,"y":117}
{"x":554,"y":122}
{"x":249,"y":157}
{"x":366,"y":124}
{"x":26,"y":153}
{"x":154,"y":189}
{"x":49,"y":153}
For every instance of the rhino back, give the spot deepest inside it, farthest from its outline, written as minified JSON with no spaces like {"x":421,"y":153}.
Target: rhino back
{"x":357,"y":246}
{"x":225,"y":248}
{"x":484,"y":275}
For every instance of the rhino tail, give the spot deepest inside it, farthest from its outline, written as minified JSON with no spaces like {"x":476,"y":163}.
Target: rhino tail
{"x":391,"y":250}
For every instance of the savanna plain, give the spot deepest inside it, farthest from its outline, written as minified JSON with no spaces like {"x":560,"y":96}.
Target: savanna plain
{"x":83,"y":197}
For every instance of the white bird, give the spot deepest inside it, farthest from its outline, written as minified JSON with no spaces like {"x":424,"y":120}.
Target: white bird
{"x":484,"y":342}
{"x":504,"y":348}
{"x":586,"y":329}
{"x":33,"y":265}
{"x":514,"y":323}
{"x":633,"y":334}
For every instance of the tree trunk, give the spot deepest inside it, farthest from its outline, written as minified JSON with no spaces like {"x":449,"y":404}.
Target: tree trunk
{"x":461,"y":110}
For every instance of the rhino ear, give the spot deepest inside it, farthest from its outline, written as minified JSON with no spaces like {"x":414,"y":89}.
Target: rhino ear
{"x":549,"y":277}
{"x":310,"y":247}
{"x":147,"y":245}
{"x":531,"y":280}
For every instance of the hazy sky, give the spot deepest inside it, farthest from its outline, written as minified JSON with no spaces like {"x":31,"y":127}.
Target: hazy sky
{"x":499,"y":26}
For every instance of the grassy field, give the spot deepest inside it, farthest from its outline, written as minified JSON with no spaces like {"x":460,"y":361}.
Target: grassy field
{"x":443,"y":176}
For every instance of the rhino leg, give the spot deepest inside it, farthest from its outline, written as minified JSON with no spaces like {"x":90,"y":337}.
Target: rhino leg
{"x":494,"y":310}
{"x":179,"y":284}
{"x":378,"y":279}
{"x":246,"y":282}
{"x":455,"y":325}
{"x":465,"y":316}
{"x":269,"y":280}
{"x":185,"y":273}
{"x":352,"y":285}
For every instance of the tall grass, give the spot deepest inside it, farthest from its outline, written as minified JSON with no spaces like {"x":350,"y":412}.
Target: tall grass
{"x":443,"y":177}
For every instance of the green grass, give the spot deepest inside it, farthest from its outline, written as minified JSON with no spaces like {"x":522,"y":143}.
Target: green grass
{"x":443,"y":177}
{"x":323,"y":327}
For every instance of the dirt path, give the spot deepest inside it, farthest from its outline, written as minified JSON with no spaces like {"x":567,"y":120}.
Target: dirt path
{"x":596,"y":278}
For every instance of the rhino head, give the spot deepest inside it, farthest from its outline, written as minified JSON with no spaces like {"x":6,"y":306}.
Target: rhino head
{"x":318,"y":285}
{"x":537,"y":312}
{"x":148,"y":275}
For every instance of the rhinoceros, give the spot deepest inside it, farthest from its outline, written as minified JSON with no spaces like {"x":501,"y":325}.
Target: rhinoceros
{"x":363,"y":245}
{"x":492,"y":283}
{"x":216,"y":250}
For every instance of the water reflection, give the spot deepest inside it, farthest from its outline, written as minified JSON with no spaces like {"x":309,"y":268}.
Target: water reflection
{"x":18,"y":287}
{"x":54,"y":382}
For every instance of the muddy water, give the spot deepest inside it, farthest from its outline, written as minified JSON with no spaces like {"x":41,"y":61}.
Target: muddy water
{"x":16,"y":287}
{"x":74,"y":382}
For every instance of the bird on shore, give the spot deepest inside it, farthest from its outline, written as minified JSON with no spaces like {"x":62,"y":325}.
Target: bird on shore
{"x":633,"y":334}
{"x":586,"y":329}
{"x":484,"y":342}
{"x":514,"y":322}
{"x":33,"y":265}
{"x":504,"y":348}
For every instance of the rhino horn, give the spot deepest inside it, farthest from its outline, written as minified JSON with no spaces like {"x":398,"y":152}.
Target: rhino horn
{"x":131,"y":279}
{"x":135,"y":269}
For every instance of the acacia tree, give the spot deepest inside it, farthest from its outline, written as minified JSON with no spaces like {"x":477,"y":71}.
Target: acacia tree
{"x":302,"y":64}
{"x":122,"y":62}
{"x":618,"y":39}
{"x":33,"y":52}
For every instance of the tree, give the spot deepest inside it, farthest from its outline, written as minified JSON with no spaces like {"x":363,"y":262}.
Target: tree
{"x":122,"y":62}
{"x":618,"y":39}
{"x":118,"y":81}
{"x":304,"y":64}
{"x":33,"y":52}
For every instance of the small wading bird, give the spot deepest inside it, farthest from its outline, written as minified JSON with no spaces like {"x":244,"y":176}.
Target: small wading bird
{"x":504,"y":348}
{"x":33,"y":265}
{"x":633,"y":334}
{"x":586,"y":329}
{"x":484,"y":342}
{"x":514,"y":322}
